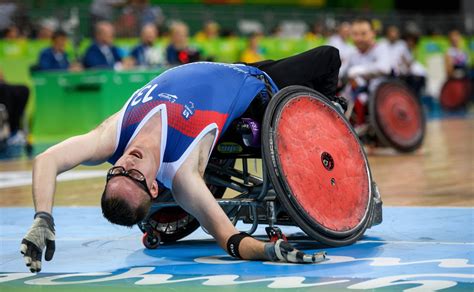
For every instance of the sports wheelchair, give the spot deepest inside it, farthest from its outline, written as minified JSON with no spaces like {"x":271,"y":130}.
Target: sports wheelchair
{"x":315,"y":175}
{"x":393,"y":116}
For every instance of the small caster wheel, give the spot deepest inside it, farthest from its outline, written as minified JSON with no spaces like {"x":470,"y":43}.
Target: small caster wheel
{"x":151,"y":241}
{"x":275,"y":233}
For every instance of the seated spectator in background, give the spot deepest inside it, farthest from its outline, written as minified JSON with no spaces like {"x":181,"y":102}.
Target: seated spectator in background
{"x":135,"y":15}
{"x":12,"y":33}
{"x":146,"y":54}
{"x":316,"y":32}
{"x":210,"y":31}
{"x":14,"y":98}
{"x":340,"y":41}
{"x":47,"y":27}
{"x":178,"y":51}
{"x":102,"y":53}
{"x":55,"y":57}
{"x":456,"y":60}
{"x":253,"y":52}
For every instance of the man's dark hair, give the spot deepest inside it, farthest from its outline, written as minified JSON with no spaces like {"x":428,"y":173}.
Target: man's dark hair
{"x":118,"y":211}
{"x":364,"y":20}
{"x":59,"y":33}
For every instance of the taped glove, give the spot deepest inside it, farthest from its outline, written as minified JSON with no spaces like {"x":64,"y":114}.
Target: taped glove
{"x":40,"y":235}
{"x":284,"y":252}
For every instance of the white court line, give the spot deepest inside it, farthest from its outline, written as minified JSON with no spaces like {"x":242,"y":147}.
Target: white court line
{"x":131,"y":237}
{"x":415,"y":242}
{"x":9,"y":179}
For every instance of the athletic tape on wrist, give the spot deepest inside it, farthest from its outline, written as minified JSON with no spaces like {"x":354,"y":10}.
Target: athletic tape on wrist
{"x":234,"y":242}
{"x":46,"y":216}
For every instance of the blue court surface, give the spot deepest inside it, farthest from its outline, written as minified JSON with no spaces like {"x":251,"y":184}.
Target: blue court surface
{"x":415,"y":249}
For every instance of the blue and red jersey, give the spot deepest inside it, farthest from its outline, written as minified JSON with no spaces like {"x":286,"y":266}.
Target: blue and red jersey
{"x":194,"y":99}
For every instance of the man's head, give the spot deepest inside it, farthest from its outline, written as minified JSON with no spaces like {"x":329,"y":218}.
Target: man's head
{"x":59,"y":40}
{"x":344,"y":30}
{"x":179,"y":35}
{"x":455,"y":38}
{"x":363,"y":34}
{"x":104,"y":33}
{"x":149,"y":34}
{"x":392,"y":33}
{"x":130,"y":188}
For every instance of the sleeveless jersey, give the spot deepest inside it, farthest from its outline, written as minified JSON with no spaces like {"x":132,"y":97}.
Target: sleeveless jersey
{"x":194,"y":99}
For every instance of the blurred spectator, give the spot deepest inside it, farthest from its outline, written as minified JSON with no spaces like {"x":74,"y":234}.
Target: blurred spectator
{"x":178,"y":51}
{"x":103,"y":10}
{"x":135,"y":15}
{"x":416,"y":77}
{"x":210,"y":31}
{"x":14,"y":98}
{"x":54,"y":57}
{"x":146,"y":54}
{"x":102,"y":53}
{"x":7,"y":13}
{"x":341,"y":41}
{"x":47,"y":27}
{"x":253,"y":52}
{"x":456,"y":60}
{"x":400,"y":55}
{"x":12,"y":33}
{"x":316,"y":32}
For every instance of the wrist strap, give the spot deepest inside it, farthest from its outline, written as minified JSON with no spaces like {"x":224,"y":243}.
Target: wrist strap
{"x":234,"y":242}
{"x":47,"y":217}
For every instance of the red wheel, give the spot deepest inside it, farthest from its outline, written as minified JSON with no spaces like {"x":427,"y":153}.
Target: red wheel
{"x":454,"y":94}
{"x":317,"y":166}
{"x":397,"y":116}
{"x":151,"y":241}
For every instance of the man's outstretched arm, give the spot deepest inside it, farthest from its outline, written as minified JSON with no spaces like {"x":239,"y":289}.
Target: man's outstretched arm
{"x":192,"y":194}
{"x":93,"y":147}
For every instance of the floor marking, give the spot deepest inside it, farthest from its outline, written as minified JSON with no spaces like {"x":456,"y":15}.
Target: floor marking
{"x":9,"y":179}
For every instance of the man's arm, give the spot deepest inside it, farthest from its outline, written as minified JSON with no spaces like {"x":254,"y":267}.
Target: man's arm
{"x":91,"y":148}
{"x":191,"y":193}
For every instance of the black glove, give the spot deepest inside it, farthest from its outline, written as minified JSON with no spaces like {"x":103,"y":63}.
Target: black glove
{"x":40,"y":235}
{"x":284,"y":252}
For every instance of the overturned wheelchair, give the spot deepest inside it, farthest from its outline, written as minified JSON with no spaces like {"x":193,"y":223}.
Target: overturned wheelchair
{"x":315,"y":175}
{"x":392,"y":117}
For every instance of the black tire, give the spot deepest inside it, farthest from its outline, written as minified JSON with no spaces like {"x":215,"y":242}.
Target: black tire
{"x":192,"y":224}
{"x":271,"y":160}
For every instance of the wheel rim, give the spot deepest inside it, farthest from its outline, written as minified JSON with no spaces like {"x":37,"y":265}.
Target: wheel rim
{"x":332,"y":193}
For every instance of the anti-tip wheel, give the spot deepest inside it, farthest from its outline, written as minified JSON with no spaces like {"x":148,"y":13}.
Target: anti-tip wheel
{"x":151,"y":241}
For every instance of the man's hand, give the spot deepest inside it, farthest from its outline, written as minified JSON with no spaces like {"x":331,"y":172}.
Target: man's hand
{"x":285,"y":252}
{"x":40,"y":235}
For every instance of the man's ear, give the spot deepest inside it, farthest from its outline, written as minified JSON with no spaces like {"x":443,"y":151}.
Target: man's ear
{"x":154,"y":189}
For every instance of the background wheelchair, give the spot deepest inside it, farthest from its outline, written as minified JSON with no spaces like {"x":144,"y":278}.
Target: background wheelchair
{"x":315,"y":175}
{"x":393,"y":117}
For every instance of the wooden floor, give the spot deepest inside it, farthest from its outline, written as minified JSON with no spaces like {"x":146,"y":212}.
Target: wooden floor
{"x":439,"y":174}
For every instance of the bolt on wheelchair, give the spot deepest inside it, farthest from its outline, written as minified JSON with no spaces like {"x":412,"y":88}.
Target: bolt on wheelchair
{"x":315,"y":175}
{"x":393,"y":116}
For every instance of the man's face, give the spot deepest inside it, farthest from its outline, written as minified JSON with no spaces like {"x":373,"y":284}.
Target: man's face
{"x":105,"y":34}
{"x":142,"y":160}
{"x":149,"y":34}
{"x":393,"y":34}
{"x":59,"y":43}
{"x":363,"y":36}
{"x":345,"y":30}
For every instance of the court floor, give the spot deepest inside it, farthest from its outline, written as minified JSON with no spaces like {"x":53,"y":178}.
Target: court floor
{"x":425,"y":243}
